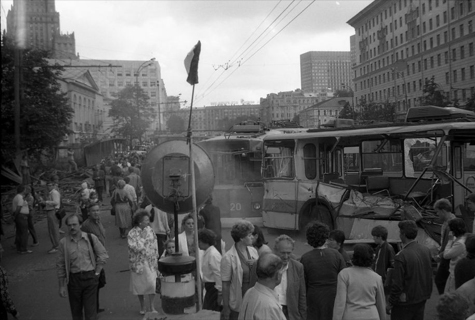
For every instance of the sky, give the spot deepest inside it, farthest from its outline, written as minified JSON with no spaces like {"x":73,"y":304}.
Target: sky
{"x":248,"y":48}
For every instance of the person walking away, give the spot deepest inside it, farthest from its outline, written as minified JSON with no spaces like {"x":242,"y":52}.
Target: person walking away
{"x":443,"y":208}
{"x":412,"y":280}
{"x":465,"y":269}
{"x":52,"y":205}
{"x":321,"y":267}
{"x":131,"y":191}
{"x":211,"y":269}
{"x":291,"y":290}
{"x":79,"y":266}
{"x":335,"y":240}
{"x":143,"y":256}
{"x":98,"y":176}
{"x":122,"y":204}
{"x":455,"y":249}
{"x":31,"y":224}
{"x":360,"y":291}
{"x":159,"y":224}
{"x":73,"y":167}
{"x":384,"y":252}
{"x":212,"y":219}
{"x":20,"y":212}
{"x":93,"y":225}
{"x":135,"y":181}
{"x":261,"y":301}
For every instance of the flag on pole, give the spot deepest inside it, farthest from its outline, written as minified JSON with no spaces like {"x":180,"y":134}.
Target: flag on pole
{"x":191,"y":64}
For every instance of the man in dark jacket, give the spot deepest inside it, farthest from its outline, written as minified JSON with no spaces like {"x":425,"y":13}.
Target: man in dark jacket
{"x":212,"y":220}
{"x":412,"y":279}
{"x":291,"y":290}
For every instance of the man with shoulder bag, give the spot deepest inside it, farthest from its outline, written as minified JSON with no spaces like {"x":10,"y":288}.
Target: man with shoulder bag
{"x":80,"y":262}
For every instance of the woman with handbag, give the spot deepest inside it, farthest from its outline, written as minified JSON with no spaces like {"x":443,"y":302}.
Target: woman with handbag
{"x":121,"y":202}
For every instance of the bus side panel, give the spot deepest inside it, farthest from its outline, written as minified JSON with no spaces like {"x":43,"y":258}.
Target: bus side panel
{"x":280,"y":205}
{"x":236,"y":203}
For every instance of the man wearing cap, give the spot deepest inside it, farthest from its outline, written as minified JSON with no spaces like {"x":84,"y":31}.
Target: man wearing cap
{"x":52,"y":205}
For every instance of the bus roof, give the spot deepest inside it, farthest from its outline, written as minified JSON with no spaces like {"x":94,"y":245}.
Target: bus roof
{"x":467,"y":129}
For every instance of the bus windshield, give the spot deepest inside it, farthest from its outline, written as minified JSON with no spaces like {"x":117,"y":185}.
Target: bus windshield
{"x":279,"y":160}
{"x":382,"y":156}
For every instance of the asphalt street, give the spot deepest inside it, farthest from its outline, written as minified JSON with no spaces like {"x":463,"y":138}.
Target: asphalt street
{"x":34,"y":284}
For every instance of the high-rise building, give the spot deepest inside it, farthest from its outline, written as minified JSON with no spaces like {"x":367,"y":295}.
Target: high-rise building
{"x":403,"y":43}
{"x":36,"y":24}
{"x":322,"y":71}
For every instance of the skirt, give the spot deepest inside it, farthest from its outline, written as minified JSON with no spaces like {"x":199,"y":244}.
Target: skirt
{"x":123,"y":215}
{"x":144,"y":283}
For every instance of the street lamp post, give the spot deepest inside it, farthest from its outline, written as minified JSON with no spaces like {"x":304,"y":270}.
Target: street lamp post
{"x":143,"y":65}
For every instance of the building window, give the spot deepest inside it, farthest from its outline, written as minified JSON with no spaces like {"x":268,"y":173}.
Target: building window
{"x":454,"y":54}
{"x":437,"y":21}
{"x":425,"y":64}
{"x":438,"y":40}
{"x":446,"y":78}
{"x":120,"y":83}
{"x":446,"y":55}
{"x":461,"y":8}
{"x":431,"y":42}
{"x":462,"y":74}
{"x":438,"y":60}
{"x":452,"y":13}
{"x":424,"y":27}
{"x":453,"y":33}
{"x":445,"y":16}
{"x":430,"y":24}
{"x":461,"y":30}
{"x":144,"y":84}
{"x":472,"y":72}
{"x":470,"y":26}
{"x":432,"y":62}
{"x":462,"y":52}
{"x":470,"y":49}
{"x":455,"y":76}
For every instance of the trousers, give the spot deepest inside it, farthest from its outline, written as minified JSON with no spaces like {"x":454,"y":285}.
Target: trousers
{"x":82,"y":294}
{"x":21,"y":236}
{"x":408,"y":312}
{"x":31,"y":227}
{"x":53,"y":227}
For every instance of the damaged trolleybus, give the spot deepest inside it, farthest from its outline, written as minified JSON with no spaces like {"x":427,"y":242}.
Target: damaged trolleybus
{"x":353,"y":179}
{"x":236,"y":157}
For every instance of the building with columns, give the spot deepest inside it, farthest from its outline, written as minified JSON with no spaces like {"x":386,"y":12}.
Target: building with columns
{"x":36,"y":24}
{"x":403,"y":43}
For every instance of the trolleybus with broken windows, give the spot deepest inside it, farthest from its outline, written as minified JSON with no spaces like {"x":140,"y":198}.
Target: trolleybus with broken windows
{"x":356,"y":178}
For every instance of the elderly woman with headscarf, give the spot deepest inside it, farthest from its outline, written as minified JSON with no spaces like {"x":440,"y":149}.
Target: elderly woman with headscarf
{"x":238,"y":269}
{"x":143,"y":257}
{"x":321,"y":267}
{"x":121,"y":202}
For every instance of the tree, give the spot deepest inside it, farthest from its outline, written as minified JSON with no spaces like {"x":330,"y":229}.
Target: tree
{"x":45,"y":114}
{"x":433,"y":95}
{"x":176,"y":124}
{"x":470,"y":105}
{"x":348,"y":112}
{"x":131,"y":113}
{"x":385,"y":112}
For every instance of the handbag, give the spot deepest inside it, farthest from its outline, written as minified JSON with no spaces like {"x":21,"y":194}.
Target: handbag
{"x":60,"y":213}
{"x":102,"y":275}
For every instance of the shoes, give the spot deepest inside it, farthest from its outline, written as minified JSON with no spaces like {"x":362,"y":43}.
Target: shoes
{"x":24,"y":252}
{"x":54,"y":250}
{"x":35,"y":244}
{"x":61,"y":231}
{"x":100,"y":310}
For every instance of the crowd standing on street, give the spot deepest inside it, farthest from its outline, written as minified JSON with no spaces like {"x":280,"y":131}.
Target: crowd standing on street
{"x":253,"y":279}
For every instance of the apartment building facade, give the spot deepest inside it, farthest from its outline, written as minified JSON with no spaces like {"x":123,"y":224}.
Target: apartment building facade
{"x":286,"y":105}
{"x":322,"y":71}
{"x":403,"y":43}
{"x":323,"y":112}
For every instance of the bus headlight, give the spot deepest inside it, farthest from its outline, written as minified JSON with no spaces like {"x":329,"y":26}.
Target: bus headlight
{"x":256,"y":206}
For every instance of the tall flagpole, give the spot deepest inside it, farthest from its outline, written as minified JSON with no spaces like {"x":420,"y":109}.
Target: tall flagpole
{"x":193,"y":201}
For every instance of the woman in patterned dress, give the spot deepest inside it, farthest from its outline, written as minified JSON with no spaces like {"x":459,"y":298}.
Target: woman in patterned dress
{"x":143,"y":255}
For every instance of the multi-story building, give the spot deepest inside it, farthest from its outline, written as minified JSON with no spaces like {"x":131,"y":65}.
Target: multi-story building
{"x":114,"y":75}
{"x":86,"y":100}
{"x":322,"y":71}
{"x":322,"y":112}
{"x":36,"y":24}
{"x":286,"y":105}
{"x":403,"y":43}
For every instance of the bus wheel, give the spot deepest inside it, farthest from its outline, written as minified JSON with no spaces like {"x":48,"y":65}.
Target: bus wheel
{"x":314,"y":213}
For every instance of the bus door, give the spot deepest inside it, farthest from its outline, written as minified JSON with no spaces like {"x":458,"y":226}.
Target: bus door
{"x":463,"y":164}
{"x":280,"y":186}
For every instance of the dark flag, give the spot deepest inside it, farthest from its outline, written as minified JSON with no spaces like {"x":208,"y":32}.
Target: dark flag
{"x":191,"y":64}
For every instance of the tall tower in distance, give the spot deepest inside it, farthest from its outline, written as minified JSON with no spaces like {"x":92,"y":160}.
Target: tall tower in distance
{"x":36,"y":24}
{"x":325,"y":70}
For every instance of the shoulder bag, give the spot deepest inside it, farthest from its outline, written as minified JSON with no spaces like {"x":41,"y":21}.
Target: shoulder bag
{"x":102,"y":275}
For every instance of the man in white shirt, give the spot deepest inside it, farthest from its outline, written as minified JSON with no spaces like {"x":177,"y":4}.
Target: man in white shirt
{"x":52,"y":205}
{"x":291,"y":290}
{"x":211,"y":270}
{"x":261,"y":301}
{"x":21,"y":212}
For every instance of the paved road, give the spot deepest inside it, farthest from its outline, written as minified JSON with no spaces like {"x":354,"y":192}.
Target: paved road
{"x":34,"y":285}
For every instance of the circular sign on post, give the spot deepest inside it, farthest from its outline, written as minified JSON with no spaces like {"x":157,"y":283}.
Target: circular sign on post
{"x":166,"y":176}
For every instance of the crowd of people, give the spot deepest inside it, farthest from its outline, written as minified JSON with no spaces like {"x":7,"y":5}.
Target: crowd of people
{"x":252,"y":279}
